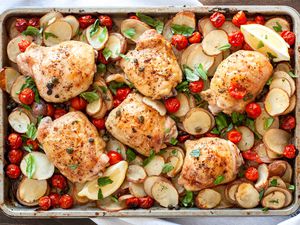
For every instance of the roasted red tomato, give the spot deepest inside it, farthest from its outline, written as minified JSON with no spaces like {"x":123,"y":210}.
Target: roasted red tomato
{"x":114,"y":157}
{"x":251,"y":174}
{"x":247,"y":47}
{"x":101,"y":58}
{"x":122,"y":93}
{"x":59,"y":181}
{"x":45,"y":203}
{"x":288,"y":36}
{"x":21,"y":24}
{"x":289,"y":151}
{"x":179,"y":41}
{"x":15,"y":156}
{"x":253,"y":110}
{"x":196,"y":86}
{"x":116,"y":102}
{"x":34,"y":22}
{"x":132,"y":203}
{"x":23,"y":45}
{"x":195,"y":38}
{"x":217,"y":19}
{"x":288,"y":123}
{"x":239,"y":19}
{"x":78,"y":103}
{"x":237,"y":91}
{"x":146,"y":202}
{"x":50,"y":110}
{"x":54,"y":199}
{"x":14,"y":140}
{"x":260,"y":20}
{"x":234,"y":136}
{"x":13,"y":171}
{"x":106,"y":21}
{"x":33,"y":144}
{"x":183,"y":138}
{"x":26,"y":96}
{"x":99,"y":123}
{"x":236,"y":39}
{"x":251,"y":155}
{"x":59,"y":112}
{"x":85,"y":21}
{"x":172,"y":104}
{"x":66,"y":201}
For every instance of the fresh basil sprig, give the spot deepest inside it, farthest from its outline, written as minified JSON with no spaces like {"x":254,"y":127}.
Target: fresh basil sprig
{"x":30,"y":165}
{"x":157,"y":24}
{"x":182,"y":29}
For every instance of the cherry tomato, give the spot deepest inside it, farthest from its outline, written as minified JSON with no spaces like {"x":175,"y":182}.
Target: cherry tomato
{"x":289,"y":151}
{"x":114,"y":157}
{"x":251,"y":173}
{"x":13,"y":171}
{"x":211,"y":135}
{"x":251,"y":22}
{"x":237,"y":91}
{"x":251,"y":155}
{"x":196,"y":86}
{"x":239,"y":19}
{"x":23,"y":45}
{"x":247,"y":47}
{"x":236,"y":39}
{"x":101,"y":58}
{"x":217,"y":19}
{"x":146,"y":202}
{"x":116,"y":102}
{"x":260,"y":20}
{"x":134,"y":17}
{"x":45,"y":203}
{"x":21,"y":24}
{"x":85,"y":21}
{"x":99,"y":123}
{"x":15,"y":156}
{"x":183,"y":138}
{"x":54,"y":199}
{"x":122,"y":93}
{"x":106,"y":21}
{"x":26,"y":96}
{"x":66,"y":201}
{"x":33,"y":144}
{"x":253,"y":110}
{"x":59,"y":181}
{"x":288,"y":36}
{"x":132,"y":203}
{"x":195,"y":38}
{"x":14,"y":140}
{"x":59,"y":112}
{"x":234,"y":136}
{"x":179,"y":41}
{"x":288,"y":123}
{"x":78,"y":103}
{"x":50,"y":110}
{"x":34,"y":22}
{"x":172,"y":104}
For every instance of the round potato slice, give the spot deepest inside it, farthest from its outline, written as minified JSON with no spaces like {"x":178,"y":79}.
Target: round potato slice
{"x":273,"y":155}
{"x":75,"y":189}
{"x":274,"y":200}
{"x":149,"y":182}
{"x":73,"y":22}
{"x":197,"y":121}
{"x":212,"y":45}
{"x":57,"y":32}
{"x":207,"y":28}
{"x":276,"y":181}
{"x":291,"y":106}
{"x":261,"y":151}
{"x":283,"y":66}
{"x":287,"y":176}
{"x":13,"y":49}
{"x":283,"y":84}
{"x":263,"y":175}
{"x":231,"y":190}
{"x":137,"y":189}
{"x":201,"y":23}
{"x":262,"y":122}
{"x":19,"y":121}
{"x":109,"y":205}
{"x":247,"y":196}
{"x":276,"y":102}
{"x":16,"y":87}
{"x":185,"y":18}
{"x":165,"y":193}
{"x":229,"y":27}
{"x":288,"y":195}
{"x":133,"y":29}
{"x":247,"y":140}
{"x":155,"y":166}
{"x":184,"y":105}
{"x":117,"y":44}
{"x":167,"y":31}
{"x":224,"y":203}
{"x":155,"y":104}
{"x":218,"y":59}
{"x":285,"y":75}
{"x":277,"y":168}
{"x":94,"y":107}
{"x":98,"y":39}
{"x":50,"y":18}
{"x":136,"y":174}
{"x":278,"y":24}
{"x":276,"y":140}
{"x":180,"y":188}
{"x":207,"y":199}
{"x":8,"y":75}
{"x":11,"y":23}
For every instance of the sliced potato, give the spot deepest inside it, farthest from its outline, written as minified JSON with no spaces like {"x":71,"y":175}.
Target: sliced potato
{"x":288,"y":195}
{"x":229,"y":27}
{"x":30,"y":191}
{"x":137,"y":161}
{"x":263,"y":175}
{"x":136,"y":28}
{"x":201,"y":23}
{"x":155,"y":166}
{"x":115,"y":145}
{"x":274,"y":200}
{"x":287,"y":176}
{"x":261,"y":151}
{"x":280,"y":23}
{"x":207,"y":199}
{"x":101,"y":113}
{"x":185,"y":18}
{"x":283,"y":84}
{"x":149,"y":182}
{"x":213,"y":68}
{"x":13,"y":49}
{"x":292,"y":105}
{"x":177,"y":162}
{"x":98,"y":39}
{"x":262,"y":120}
{"x":155,"y":104}
{"x":224,"y":202}
{"x":247,"y":140}
{"x":57,"y":32}
{"x":124,"y":197}
{"x":197,"y":121}
{"x":277,"y":168}
{"x":276,"y":102}
{"x":50,"y":18}
{"x":273,"y":155}
{"x":19,"y":121}
{"x":43,"y":168}
{"x":211,"y":45}
{"x":105,"y":93}
{"x":11,"y":23}
{"x":136,"y":174}
{"x":278,"y":182}
{"x":180,"y":188}
{"x":231,"y":190}
{"x":109,"y":205}
{"x":16,"y":87}
{"x":184,"y":105}
{"x":94,"y":107}
{"x":167,"y":31}
{"x":207,"y":28}
{"x":247,"y":196}
{"x":118,"y":77}
{"x":76,"y":188}
{"x":285,"y":75}
{"x":226,"y":53}
{"x":137,"y":189}
{"x":73,"y":22}
{"x":165,"y":193}
{"x":283,"y":66}
{"x":8,"y":75}
{"x":117,"y":44}
{"x":276,"y":140}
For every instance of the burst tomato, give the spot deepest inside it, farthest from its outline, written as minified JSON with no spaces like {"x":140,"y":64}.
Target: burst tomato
{"x":288,"y":123}
{"x":23,"y":45}
{"x":239,"y":19}
{"x":78,"y":103}
{"x":59,"y":181}
{"x":146,"y":202}
{"x":132,"y":202}
{"x":172,"y":104}
{"x":99,"y":123}
{"x":85,"y":21}
{"x":251,"y":155}
{"x":15,"y":156}
{"x":260,"y":20}
{"x":217,"y":19}
{"x":116,"y":102}
{"x":34,"y":22}
{"x":13,"y":171}
{"x":253,"y":110}
{"x":234,"y":136}
{"x":106,"y":21}
{"x":21,"y":24}
{"x":122,"y":93}
{"x":26,"y":96}
{"x":195,"y":38}
{"x":251,"y":174}
{"x":114,"y":157}
{"x":66,"y":201}
{"x":59,"y":112}
{"x":179,"y":41}
{"x":183,"y":138}
{"x":33,"y":144}
{"x":236,"y":39}
{"x":289,"y":151}
{"x":288,"y":36}
{"x":45,"y":203}
{"x":196,"y":86}
{"x":14,"y":140}
{"x":54,"y":197}
{"x":50,"y":110}
{"x":237,"y":91}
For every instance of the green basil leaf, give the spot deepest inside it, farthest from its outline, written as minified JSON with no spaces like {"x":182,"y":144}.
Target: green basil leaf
{"x":95,"y":27}
{"x":219,"y":179}
{"x":195,"y":153}
{"x":173,"y":141}
{"x":31,"y":132}
{"x":261,"y":194}
{"x":114,"y":198}
{"x":273,"y":183}
{"x":103,"y":35}
{"x":292,"y":74}
{"x":268,"y":123}
{"x":182,"y":29}
{"x":277,"y":28}
{"x":271,"y":56}
{"x":106,"y":53}
{"x":26,"y":107}
{"x":291,"y":187}
{"x":151,"y":156}
{"x":269,"y":81}
{"x":201,"y":72}
{"x":27,"y":148}
{"x":265,"y":209}
{"x":224,"y":47}
{"x":221,"y":121}
{"x":90,"y":96}
{"x":129,"y":32}
{"x":130,"y":154}
{"x":103,"y":181}
{"x":101,"y":68}
{"x":48,"y":35}
{"x":237,"y":118}
{"x":183,"y":87}
{"x":188,"y":200}
{"x":113,"y":86}
{"x":159,"y":25}
{"x":167,"y":168}
{"x":100,"y":195}
{"x":29,"y":83}
{"x":32,"y":31}
{"x":30,"y":166}
{"x":189,"y":74}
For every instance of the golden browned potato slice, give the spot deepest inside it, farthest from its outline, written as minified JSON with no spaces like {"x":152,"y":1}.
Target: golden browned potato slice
{"x":274,"y":200}
{"x":180,"y":189}
{"x":230,"y":191}
{"x":208,"y":199}
{"x":136,"y":174}
{"x":133,"y":29}
{"x":137,"y":189}
{"x":13,"y":48}
{"x":247,"y":196}
{"x":276,"y":140}
{"x":73,"y":22}
{"x":277,"y":168}
{"x":212,"y":45}
{"x":165,"y":193}
{"x":276,"y":102}
{"x":276,"y":181}
{"x":261,"y":150}
{"x":197,"y":121}
{"x":149,"y":182}
{"x":8,"y":75}
{"x":229,"y":27}
{"x":185,"y":18}
{"x":288,"y":195}
{"x":287,"y":176}
{"x":283,"y":66}
{"x":262,"y":122}
{"x":278,"y":24}
{"x":224,"y":202}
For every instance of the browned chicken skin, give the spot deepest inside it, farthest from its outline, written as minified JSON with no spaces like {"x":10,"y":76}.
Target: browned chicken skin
{"x":152,"y":67}
{"x":60,"y":72}
{"x":218,"y":157}
{"x":73,"y":145}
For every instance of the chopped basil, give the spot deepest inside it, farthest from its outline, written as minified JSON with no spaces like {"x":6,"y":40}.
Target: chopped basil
{"x":103,"y":181}
{"x":221,"y":121}
{"x":173,"y":141}
{"x":274,"y":201}
{"x":273,"y":183}
{"x":261,"y":194}
{"x":182,"y":29}
{"x":27,"y":148}
{"x":219,"y":179}
{"x":189,"y":74}
{"x":214,"y":131}
{"x":100,"y":195}
{"x":265,"y":209}
{"x":237,"y":118}
{"x":269,"y":81}
{"x":230,"y":127}
{"x":95,"y":27}
{"x":114,"y":199}
{"x":292,"y":74}
{"x":260,"y":45}
{"x":101,"y":68}
{"x":106,"y":53}
{"x":103,"y":35}
{"x":32,"y":31}
{"x":224,"y":47}
{"x":195,"y":153}
{"x":159,"y":25}
{"x":174,"y":152}
{"x":31,"y":132}
{"x":247,"y":97}
{"x":26,"y":107}
{"x":183,"y":87}
{"x":188,"y":200}
{"x":73,"y":166}
{"x":167,"y":168}
{"x":48,"y":35}
{"x":201,"y":72}
{"x":151,"y":156}
{"x":268,"y":123}
{"x":124,"y":57}
{"x":29,"y":83}
{"x":90,"y":96}
{"x":30,"y":166}
{"x":113,"y":86}
{"x":291,"y":187}
{"x":69,"y":150}
{"x":130,"y":154}
{"x":129,"y":32}
{"x":277,"y":28}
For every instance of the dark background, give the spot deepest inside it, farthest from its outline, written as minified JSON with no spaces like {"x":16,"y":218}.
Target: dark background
{"x":4,"y":220}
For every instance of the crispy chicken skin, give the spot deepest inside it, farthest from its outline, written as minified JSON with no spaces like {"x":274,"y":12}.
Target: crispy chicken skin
{"x":73,"y":145}
{"x":139,"y":126}
{"x":60,"y":72}
{"x":249,"y":69}
{"x":152,"y":67}
{"x":218,"y":157}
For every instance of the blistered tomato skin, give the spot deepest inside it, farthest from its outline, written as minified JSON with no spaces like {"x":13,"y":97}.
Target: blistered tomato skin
{"x":251,"y":155}
{"x":211,"y":135}
{"x":106,"y":21}
{"x":33,"y":144}
{"x":13,"y":171}
{"x":21,"y":24}
{"x":196,"y":86}
{"x":54,"y":197}
{"x":260,"y":20}
{"x":14,"y":140}
{"x":34,"y":22}
{"x":288,"y":123}
{"x":183,"y":138}
{"x":66,"y":201}
{"x":78,"y":103}
{"x":15,"y":156}
{"x":253,"y":110}
{"x":172,"y":105}
{"x":26,"y":96}
{"x":114,"y":157}
{"x":290,"y":151}
{"x":132,"y":203}
{"x":122,"y":93}
{"x":146,"y":202}
{"x":59,"y":181}
{"x":179,"y":41}
{"x":59,"y":113}
{"x":251,"y":174}
{"x":217,"y":19}
{"x":236,"y":39}
{"x":116,"y":102}
{"x":45,"y":203}
{"x":288,"y":36}
{"x":23,"y":45}
{"x":99,"y":123}
{"x":237,"y":91}
{"x":239,"y":19}
{"x":85,"y":21}
{"x":234,"y":136}
{"x":195,"y":38}
{"x":50,"y":110}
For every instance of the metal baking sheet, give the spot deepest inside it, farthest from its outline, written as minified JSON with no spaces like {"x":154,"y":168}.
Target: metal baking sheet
{"x":11,"y":208}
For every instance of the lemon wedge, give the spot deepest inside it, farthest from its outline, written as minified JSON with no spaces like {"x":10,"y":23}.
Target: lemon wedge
{"x":266,"y":41}
{"x":116,"y":173}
